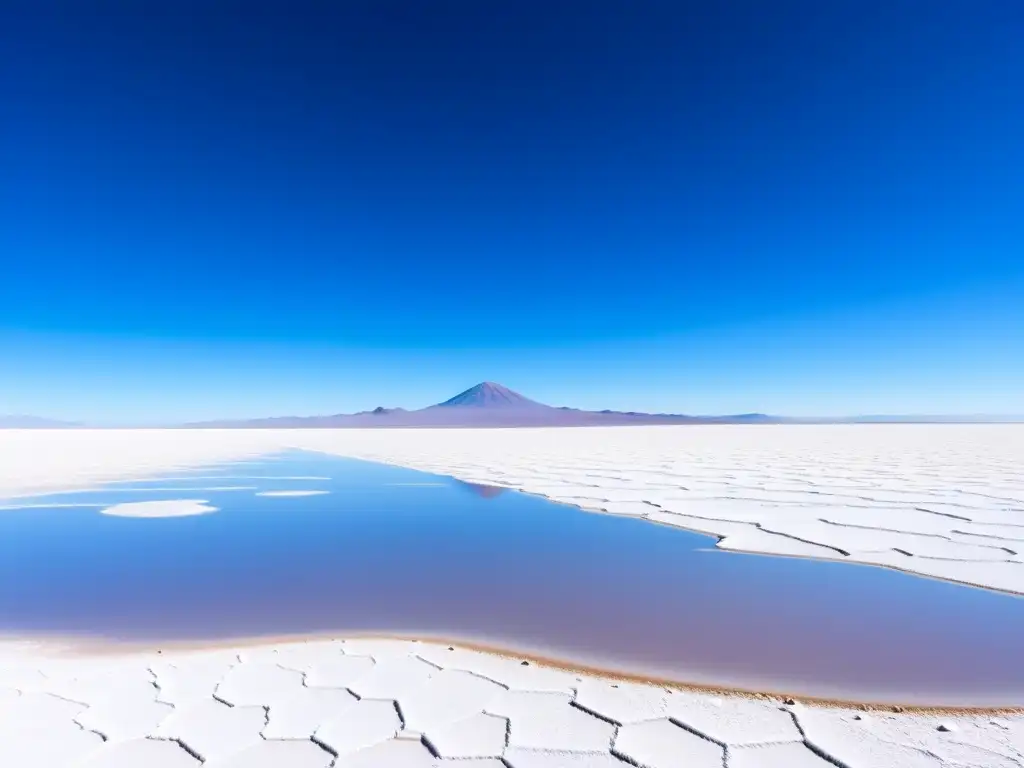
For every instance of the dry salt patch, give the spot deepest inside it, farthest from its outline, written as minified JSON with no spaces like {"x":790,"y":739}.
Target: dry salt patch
{"x":292,"y":493}
{"x":163,"y":508}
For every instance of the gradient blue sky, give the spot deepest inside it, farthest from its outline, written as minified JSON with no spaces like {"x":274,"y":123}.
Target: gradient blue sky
{"x":244,"y":209}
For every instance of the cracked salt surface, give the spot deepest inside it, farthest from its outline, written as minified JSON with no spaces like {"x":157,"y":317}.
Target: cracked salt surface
{"x":473,"y":711}
{"x":602,"y":591}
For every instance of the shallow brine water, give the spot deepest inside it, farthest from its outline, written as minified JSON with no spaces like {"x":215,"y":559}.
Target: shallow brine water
{"x":392,"y":551}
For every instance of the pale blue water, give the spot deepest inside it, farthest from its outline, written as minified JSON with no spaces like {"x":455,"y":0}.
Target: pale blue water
{"x":393,"y":551}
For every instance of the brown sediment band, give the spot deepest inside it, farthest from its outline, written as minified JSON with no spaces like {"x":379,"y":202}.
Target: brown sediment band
{"x":89,"y":645}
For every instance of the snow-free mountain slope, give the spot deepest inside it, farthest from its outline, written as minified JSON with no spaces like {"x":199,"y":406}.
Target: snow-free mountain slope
{"x":490,"y":395}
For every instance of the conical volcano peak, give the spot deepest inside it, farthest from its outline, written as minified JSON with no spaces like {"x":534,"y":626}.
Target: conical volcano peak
{"x":490,"y":395}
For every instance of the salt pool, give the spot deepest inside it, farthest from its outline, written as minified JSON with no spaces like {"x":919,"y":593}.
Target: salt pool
{"x":396,"y":552}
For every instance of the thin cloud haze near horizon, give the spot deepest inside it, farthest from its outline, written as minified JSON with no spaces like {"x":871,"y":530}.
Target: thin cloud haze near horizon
{"x":889,"y":359}
{"x":800,"y":210}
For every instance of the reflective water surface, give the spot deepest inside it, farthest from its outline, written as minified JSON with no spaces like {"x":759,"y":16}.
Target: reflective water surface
{"x":393,"y":551}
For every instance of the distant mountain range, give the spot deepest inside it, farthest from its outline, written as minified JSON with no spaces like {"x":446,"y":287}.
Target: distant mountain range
{"x":34,"y":422}
{"x":492,"y":405}
{"x":485,"y":405}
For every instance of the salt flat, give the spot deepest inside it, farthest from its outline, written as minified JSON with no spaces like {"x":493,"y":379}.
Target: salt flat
{"x":940,"y":500}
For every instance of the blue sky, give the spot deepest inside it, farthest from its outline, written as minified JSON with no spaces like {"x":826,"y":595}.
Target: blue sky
{"x":218,"y":209}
